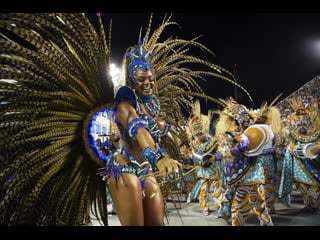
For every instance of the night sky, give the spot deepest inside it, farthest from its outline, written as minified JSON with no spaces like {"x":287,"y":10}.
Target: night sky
{"x":271,"y":49}
{"x":269,"y":52}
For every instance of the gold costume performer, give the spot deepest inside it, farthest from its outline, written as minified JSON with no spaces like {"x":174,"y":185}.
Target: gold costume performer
{"x":301,"y":160}
{"x":203,"y":144}
{"x":250,"y":146}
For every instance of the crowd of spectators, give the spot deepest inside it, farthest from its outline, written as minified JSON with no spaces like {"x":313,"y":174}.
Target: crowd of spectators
{"x":307,"y":92}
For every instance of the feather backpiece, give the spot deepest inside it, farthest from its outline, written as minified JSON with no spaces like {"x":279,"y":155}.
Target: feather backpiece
{"x":54,"y":72}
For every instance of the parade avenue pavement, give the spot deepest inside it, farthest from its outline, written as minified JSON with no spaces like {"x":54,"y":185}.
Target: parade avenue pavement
{"x":183,"y":214}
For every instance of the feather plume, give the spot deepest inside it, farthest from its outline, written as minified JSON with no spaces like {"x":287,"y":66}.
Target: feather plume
{"x":53,"y":73}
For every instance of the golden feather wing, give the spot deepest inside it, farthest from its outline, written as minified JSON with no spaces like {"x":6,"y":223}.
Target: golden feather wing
{"x":54,"y":72}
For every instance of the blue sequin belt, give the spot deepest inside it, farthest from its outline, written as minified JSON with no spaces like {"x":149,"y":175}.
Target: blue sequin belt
{"x":115,"y":169}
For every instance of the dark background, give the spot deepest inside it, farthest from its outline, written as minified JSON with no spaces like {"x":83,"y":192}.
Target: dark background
{"x":271,"y":47}
{"x":270,"y":52}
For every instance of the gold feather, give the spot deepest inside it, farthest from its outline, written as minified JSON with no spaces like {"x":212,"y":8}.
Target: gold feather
{"x":53,"y":74}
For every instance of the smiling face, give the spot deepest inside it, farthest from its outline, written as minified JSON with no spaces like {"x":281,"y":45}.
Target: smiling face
{"x":145,"y":82}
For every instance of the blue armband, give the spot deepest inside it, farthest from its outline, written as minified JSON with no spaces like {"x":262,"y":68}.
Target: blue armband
{"x":134,"y":125}
{"x":152,"y":156}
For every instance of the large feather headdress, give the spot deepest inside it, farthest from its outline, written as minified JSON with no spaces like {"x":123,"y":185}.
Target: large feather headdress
{"x":177,"y":70}
{"x":308,"y":109}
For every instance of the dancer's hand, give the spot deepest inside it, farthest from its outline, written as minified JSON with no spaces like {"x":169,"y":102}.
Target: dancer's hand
{"x":168,"y":166}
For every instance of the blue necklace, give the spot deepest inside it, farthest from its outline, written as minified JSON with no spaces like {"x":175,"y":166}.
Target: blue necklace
{"x":151,"y":103}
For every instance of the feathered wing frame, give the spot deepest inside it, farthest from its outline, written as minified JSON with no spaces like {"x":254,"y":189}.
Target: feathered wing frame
{"x":178,"y":73}
{"x":55,"y":75}
{"x":54,"y":72}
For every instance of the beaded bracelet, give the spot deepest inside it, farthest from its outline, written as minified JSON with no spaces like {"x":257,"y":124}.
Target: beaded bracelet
{"x":153,"y":156}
